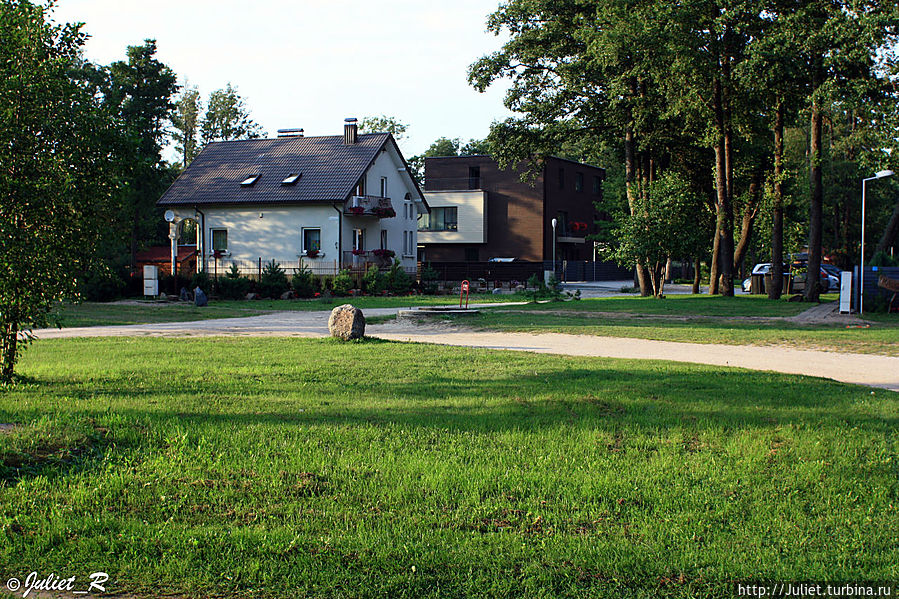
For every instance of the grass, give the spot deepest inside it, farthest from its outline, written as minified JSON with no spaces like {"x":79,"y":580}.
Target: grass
{"x":693,"y":319}
{"x":93,"y":314}
{"x":286,"y":467}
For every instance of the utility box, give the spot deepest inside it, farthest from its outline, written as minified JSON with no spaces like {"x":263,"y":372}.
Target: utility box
{"x":845,"y":292}
{"x":151,"y":280}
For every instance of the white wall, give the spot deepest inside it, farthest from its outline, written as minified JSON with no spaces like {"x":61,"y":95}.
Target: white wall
{"x":269,"y":232}
{"x":471,"y":217}
{"x":388,"y":164}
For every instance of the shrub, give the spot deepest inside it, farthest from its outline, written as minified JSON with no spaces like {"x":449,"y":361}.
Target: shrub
{"x":304,"y":283}
{"x":429,"y":280}
{"x":233,"y":286}
{"x":883,"y":259}
{"x":273,"y":281}
{"x":101,"y":285}
{"x":373,"y":282}
{"x":201,"y":279}
{"x":397,"y":280}
{"x":342,"y":283}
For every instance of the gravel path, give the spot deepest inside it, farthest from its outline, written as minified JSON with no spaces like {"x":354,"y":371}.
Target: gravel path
{"x":863,"y":369}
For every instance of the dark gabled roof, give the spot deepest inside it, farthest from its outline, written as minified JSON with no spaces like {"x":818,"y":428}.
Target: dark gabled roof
{"x":330,"y":170}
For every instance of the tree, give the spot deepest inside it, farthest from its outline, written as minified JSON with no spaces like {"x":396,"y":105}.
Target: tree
{"x":187,"y":124}
{"x":139,"y":93}
{"x":55,"y":180}
{"x":227,"y":117}
{"x":383,"y":124}
{"x":662,"y":225}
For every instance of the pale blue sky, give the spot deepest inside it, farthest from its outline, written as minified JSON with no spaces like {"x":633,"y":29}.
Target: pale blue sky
{"x":311,"y":63}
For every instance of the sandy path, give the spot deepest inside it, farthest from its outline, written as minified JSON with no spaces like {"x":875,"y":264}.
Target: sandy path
{"x":863,"y":369}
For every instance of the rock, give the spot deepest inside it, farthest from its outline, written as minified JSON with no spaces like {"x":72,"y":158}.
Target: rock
{"x":200,"y":298}
{"x":252,"y":296}
{"x":288,"y":295}
{"x":347,"y":322}
{"x":497,"y":291}
{"x":185,"y":295}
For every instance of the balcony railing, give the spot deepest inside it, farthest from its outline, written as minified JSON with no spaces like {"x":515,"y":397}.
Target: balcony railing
{"x":369,"y":206}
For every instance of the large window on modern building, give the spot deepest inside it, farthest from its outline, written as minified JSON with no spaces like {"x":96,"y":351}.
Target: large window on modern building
{"x":440,"y":219}
{"x":596,"y":186}
{"x":474,"y":177}
{"x":579,"y":182}
{"x":562,"y":224}
{"x":219,"y":240}
{"x":312,"y":239}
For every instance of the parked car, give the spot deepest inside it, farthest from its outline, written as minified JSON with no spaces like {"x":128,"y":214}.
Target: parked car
{"x":762,"y":268}
{"x":829,"y":282}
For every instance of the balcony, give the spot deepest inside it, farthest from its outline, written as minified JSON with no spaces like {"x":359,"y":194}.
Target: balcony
{"x":375,"y":206}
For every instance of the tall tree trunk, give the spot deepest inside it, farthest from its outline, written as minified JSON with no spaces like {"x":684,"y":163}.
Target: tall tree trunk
{"x":750,"y":212}
{"x":888,"y":239}
{"x":697,"y":274}
{"x":630,"y":167}
{"x":777,"y":229}
{"x":723,"y":209}
{"x":8,"y":350}
{"x":816,"y":208}
{"x":715,"y":266}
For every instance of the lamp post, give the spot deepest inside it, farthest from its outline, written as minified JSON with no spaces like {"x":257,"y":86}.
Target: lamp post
{"x":554,"y":223}
{"x":861,"y":268}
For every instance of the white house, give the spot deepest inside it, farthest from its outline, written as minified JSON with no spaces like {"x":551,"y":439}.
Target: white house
{"x":327,"y":202}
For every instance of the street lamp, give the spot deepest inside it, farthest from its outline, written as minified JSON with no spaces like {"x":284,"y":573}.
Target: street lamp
{"x":554,"y":223}
{"x":861,"y":268}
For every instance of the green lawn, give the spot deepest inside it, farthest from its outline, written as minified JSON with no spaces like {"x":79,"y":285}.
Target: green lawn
{"x":692,"y":319}
{"x":682,"y":305}
{"x":312,"y":468}
{"x":92,"y":314}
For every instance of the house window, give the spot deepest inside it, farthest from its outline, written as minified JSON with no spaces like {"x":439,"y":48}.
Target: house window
{"x":360,"y":187}
{"x":474,"y":177}
{"x":440,"y":219}
{"x":384,"y":239}
{"x":219,"y":240}
{"x":561,"y":178}
{"x":358,"y":239}
{"x":596,"y":186}
{"x":312,"y":239}
{"x":405,"y":243}
{"x":579,"y":182}
{"x":562,"y":225}
{"x":383,"y":187}
{"x":250,"y":180}
{"x":471,"y":254}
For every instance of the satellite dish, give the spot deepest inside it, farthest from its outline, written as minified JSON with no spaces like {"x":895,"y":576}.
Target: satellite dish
{"x":169,"y":216}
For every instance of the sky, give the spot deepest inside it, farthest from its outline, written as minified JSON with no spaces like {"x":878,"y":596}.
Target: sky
{"x":312,"y":63}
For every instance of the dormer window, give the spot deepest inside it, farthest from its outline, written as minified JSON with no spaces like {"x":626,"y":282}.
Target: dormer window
{"x":250,"y":180}
{"x":292,"y":179}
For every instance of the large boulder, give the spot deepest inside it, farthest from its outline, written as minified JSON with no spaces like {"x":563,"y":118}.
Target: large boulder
{"x":200,"y":298}
{"x":347,"y":322}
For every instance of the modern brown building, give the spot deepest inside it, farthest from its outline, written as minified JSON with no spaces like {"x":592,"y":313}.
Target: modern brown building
{"x":480,"y":212}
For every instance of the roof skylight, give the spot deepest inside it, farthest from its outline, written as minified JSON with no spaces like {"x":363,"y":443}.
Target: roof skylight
{"x":292,"y":179}
{"x":250,"y":180}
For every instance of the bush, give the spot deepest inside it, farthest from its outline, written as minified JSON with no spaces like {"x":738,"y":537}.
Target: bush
{"x":342,"y":283}
{"x":373,"y":282}
{"x":429,"y":280}
{"x":101,"y":285}
{"x":304,"y":283}
{"x":883,"y":259}
{"x":397,"y":280}
{"x":203,"y":281}
{"x":233,"y":286}
{"x":273,"y":281}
